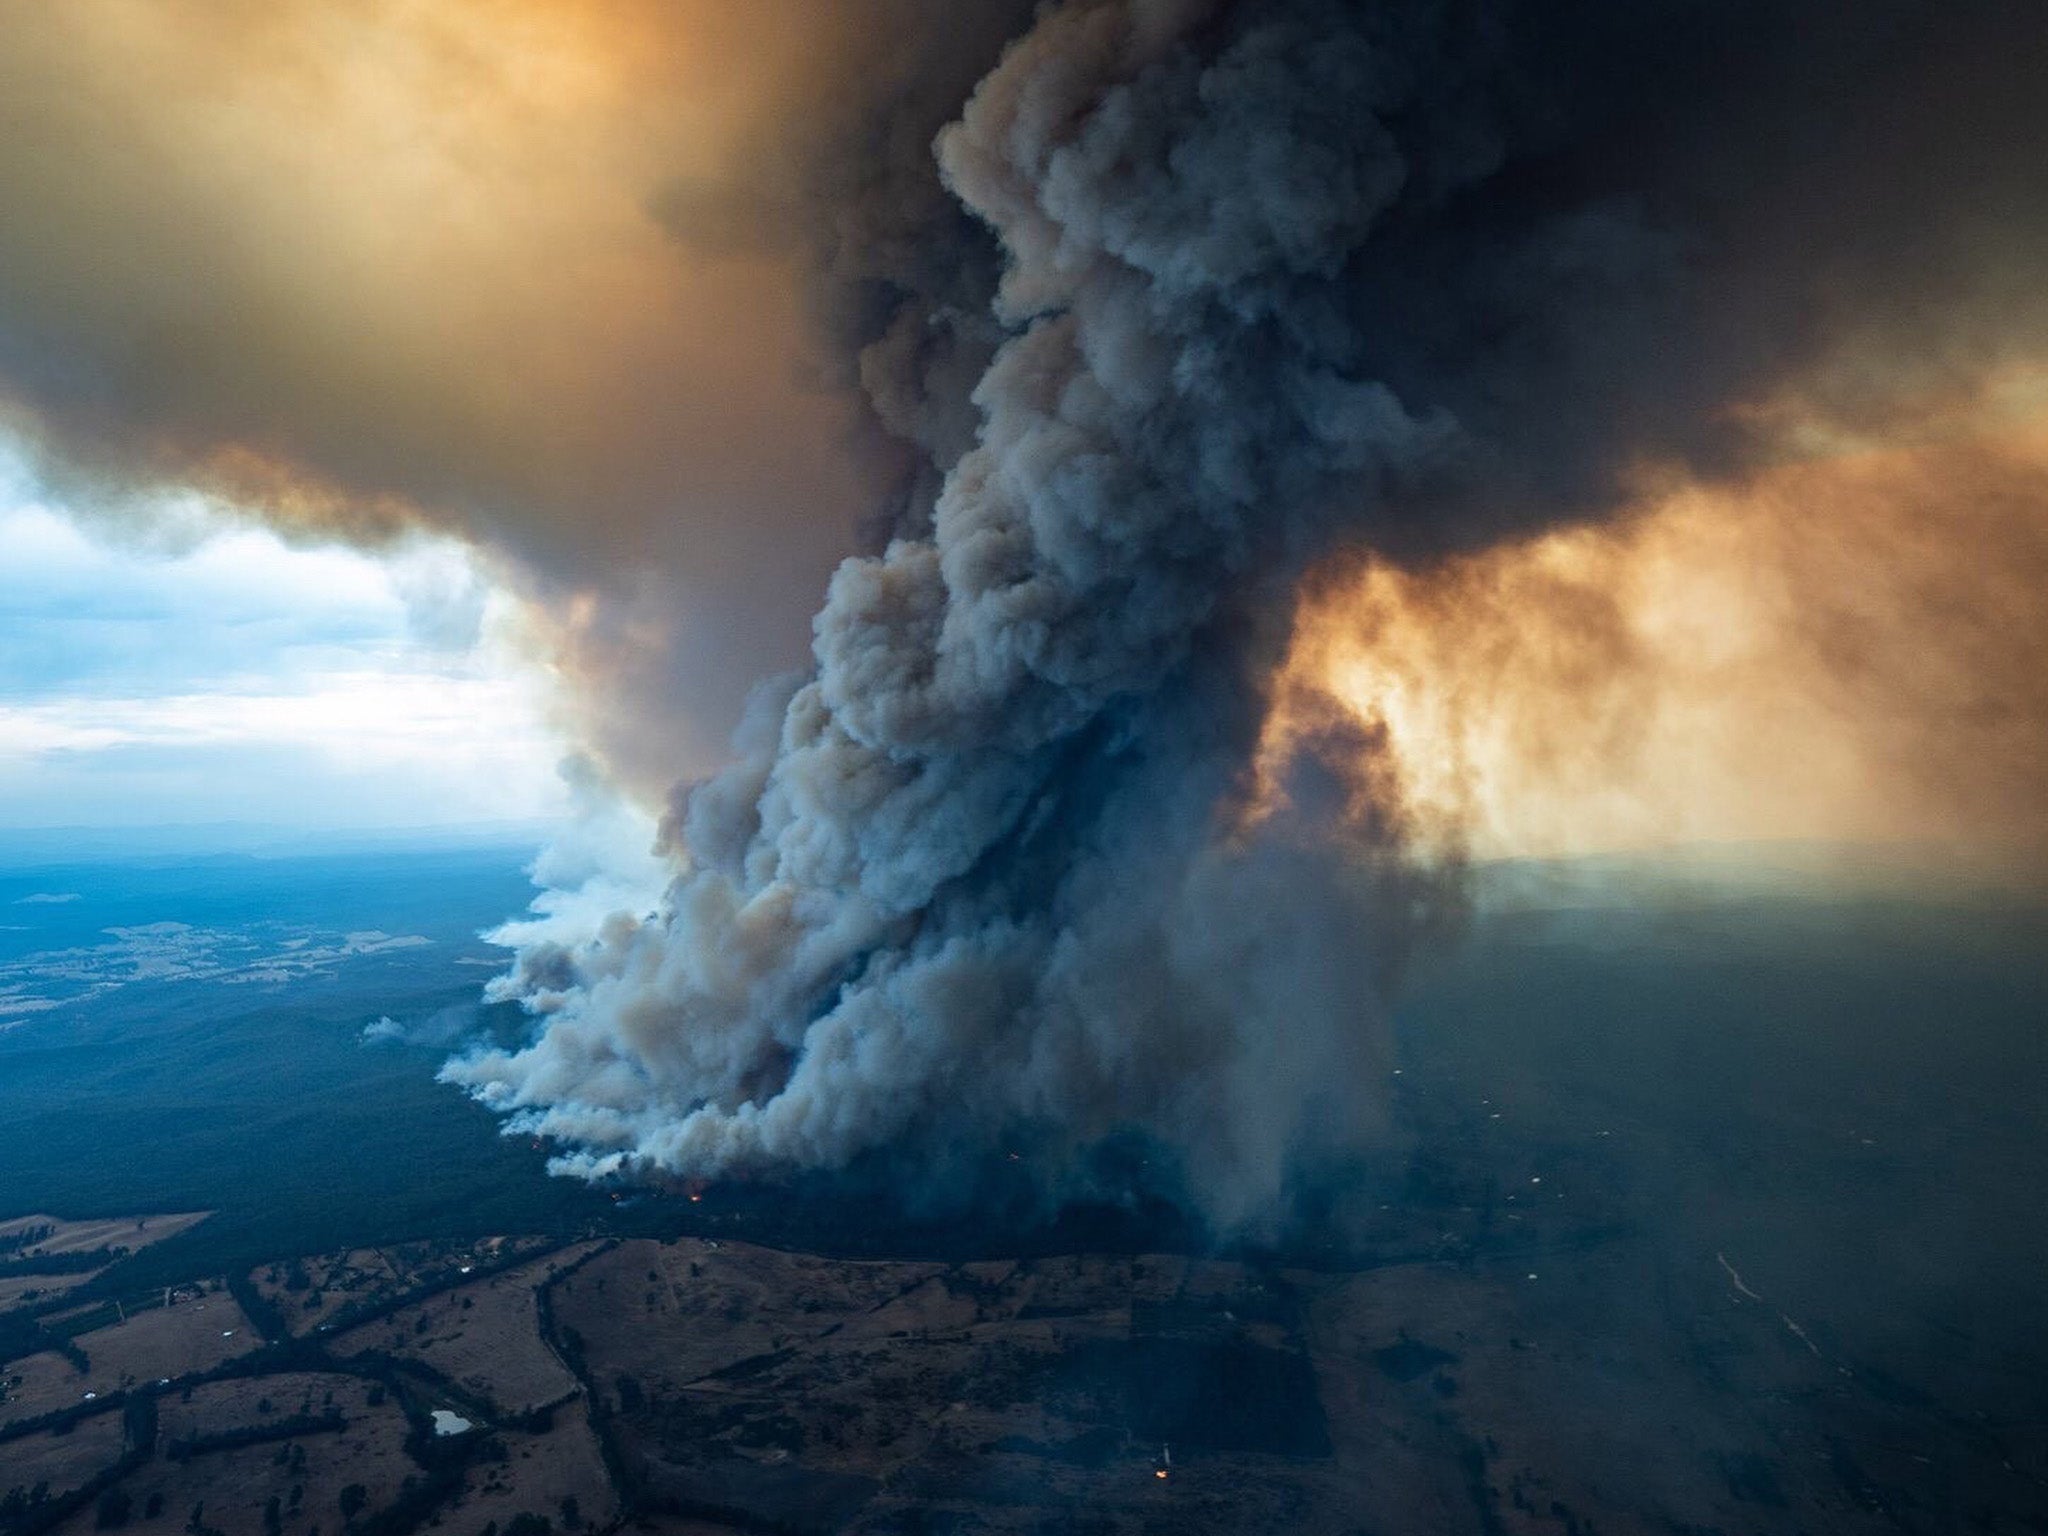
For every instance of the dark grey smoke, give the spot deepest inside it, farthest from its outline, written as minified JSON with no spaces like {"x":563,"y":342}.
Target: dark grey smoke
{"x":899,"y":275}
{"x":1276,"y":276}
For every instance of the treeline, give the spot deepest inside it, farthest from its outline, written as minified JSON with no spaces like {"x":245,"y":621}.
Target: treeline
{"x":436,"y":1282}
{"x":33,"y":1516}
{"x":262,"y":1313}
{"x":189,"y":1446}
{"x":445,"y":1276}
{"x":58,"y":1420}
{"x":23,"y":1334}
{"x":418,"y":1499}
{"x":82,"y":1261}
{"x":444,"y":1461}
{"x":27,"y":1237}
{"x":627,"y":1479}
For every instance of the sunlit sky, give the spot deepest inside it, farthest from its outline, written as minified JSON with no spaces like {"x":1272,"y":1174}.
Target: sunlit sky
{"x":202,"y":673}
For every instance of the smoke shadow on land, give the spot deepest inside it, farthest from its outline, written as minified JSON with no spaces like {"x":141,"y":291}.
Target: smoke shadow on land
{"x":1686,"y":1061}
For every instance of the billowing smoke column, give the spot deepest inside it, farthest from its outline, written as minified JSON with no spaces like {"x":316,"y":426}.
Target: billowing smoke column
{"x":977,"y":872}
{"x":1276,"y":275}
{"x":652,"y":301}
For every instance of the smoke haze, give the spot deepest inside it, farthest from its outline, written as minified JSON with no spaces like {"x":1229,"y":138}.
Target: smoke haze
{"x":361,"y":268}
{"x":1843,"y":647}
{"x":1106,"y":328}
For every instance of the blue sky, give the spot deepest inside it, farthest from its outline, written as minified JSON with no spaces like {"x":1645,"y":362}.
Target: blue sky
{"x":189,"y":672}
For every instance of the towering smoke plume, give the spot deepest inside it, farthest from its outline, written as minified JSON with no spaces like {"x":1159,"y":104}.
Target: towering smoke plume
{"x":1276,"y":276}
{"x":1129,"y":314}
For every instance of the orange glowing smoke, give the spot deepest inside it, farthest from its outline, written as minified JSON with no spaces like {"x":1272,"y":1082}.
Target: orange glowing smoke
{"x":368,"y":234}
{"x":354,"y":264}
{"x":1850,"y":646}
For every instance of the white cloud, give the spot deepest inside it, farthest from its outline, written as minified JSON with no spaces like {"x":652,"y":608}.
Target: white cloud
{"x":236,"y":677}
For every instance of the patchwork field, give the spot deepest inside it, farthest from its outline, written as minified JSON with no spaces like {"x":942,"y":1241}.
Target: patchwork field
{"x":543,"y":1474}
{"x":196,"y":1333}
{"x":59,"y":1463}
{"x":215,"y":1408}
{"x":42,"y":1237}
{"x":296,"y":1441}
{"x":483,"y":1336}
{"x":320,"y":1289}
{"x":43,"y":1258}
{"x":1549,"y":1374}
{"x":305,"y":1474}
